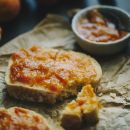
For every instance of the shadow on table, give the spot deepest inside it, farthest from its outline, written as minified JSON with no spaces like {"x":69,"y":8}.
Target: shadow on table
{"x":107,"y":2}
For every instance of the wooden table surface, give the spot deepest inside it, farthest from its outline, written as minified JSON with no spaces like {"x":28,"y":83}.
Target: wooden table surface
{"x":31,"y":14}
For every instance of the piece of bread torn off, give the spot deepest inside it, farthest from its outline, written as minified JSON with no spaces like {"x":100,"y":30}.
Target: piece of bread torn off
{"x":83,"y":110}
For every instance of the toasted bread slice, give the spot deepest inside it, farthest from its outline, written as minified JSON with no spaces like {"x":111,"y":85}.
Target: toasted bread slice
{"x":17,"y":118}
{"x":49,"y":75}
{"x":84,"y":109}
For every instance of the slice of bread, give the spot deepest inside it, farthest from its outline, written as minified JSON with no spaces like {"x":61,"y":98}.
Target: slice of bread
{"x":84,"y":109}
{"x":17,"y":118}
{"x":62,"y":74}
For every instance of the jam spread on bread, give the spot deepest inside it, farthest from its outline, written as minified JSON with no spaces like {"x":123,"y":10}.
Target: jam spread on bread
{"x":51,"y":69}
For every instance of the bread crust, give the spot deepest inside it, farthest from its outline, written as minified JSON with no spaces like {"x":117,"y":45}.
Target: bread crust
{"x":71,"y":121}
{"x":37,"y":94}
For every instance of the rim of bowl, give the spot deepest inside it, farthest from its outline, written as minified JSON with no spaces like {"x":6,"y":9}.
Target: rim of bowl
{"x":76,"y":19}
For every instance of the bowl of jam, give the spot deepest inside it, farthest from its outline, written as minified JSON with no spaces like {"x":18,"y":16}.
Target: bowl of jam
{"x":102,"y":29}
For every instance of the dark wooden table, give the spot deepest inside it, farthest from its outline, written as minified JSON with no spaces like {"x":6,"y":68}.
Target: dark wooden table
{"x":31,"y":14}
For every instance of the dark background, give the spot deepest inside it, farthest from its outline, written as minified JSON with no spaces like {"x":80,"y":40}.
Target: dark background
{"x":31,"y":14}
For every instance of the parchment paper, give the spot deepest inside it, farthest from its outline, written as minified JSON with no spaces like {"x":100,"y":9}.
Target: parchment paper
{"x":113,"y":90}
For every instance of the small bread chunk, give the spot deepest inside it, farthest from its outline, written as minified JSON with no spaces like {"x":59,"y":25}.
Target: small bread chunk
{"x":72,"y":116}
{"x":49,"y":75}
{"x":17,"y":118}
{"x":84,"y":109}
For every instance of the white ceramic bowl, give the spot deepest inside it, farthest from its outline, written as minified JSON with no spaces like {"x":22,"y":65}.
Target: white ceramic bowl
{"x":101,"y":48}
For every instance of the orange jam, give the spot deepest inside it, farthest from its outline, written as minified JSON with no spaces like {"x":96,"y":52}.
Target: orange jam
{"x":85,"y":98}
{"x":95,"y":27}
{"x":49,"y":68}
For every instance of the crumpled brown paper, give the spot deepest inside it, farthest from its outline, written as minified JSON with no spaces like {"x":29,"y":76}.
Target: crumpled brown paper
{"x":113,"y":90}
{"x":54,"y":32}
